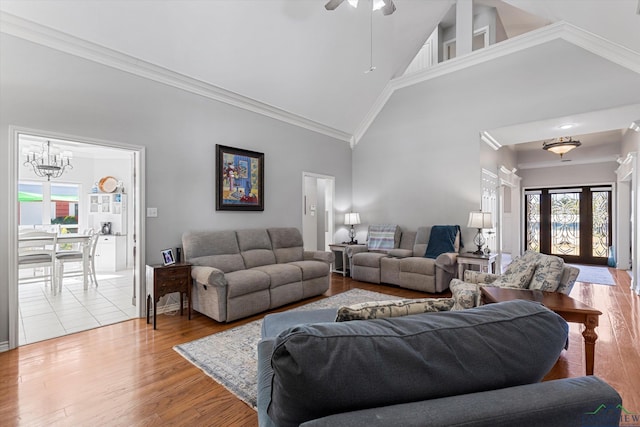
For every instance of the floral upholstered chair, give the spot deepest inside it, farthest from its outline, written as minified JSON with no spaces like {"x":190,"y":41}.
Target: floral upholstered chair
{"x":532,"y":270}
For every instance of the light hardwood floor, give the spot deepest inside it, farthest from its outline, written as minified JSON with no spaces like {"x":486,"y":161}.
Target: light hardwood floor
{"x":128,"y":374}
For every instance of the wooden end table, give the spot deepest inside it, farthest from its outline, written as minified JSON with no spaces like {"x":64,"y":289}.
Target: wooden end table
{"x":342,"y":263}
{"x":566,"y":307}
{"x":486,"y":262}
{"x":167,"y":279}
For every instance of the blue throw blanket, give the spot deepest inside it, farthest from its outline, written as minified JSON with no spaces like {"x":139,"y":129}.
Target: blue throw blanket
{"x":442,"y":240}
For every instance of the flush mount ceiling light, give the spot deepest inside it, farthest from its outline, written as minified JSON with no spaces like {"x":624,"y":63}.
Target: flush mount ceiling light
{"x":386,"y":6}
{"x":566,"y":126}
{"x":635,"y":126}
{"x":561,"y":145}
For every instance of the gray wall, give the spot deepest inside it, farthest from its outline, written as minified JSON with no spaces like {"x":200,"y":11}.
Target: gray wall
{"x":419,"y":162}
{"x":48,"y":90}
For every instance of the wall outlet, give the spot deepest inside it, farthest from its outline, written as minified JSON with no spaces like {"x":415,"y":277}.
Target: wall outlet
{"x":152,"y":212}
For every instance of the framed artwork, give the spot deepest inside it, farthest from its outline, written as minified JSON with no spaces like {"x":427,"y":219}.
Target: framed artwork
{"x":239,"y":179}
{"x":167,"y":257}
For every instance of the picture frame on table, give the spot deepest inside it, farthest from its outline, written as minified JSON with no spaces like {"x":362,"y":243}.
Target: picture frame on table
{"x":239,"y":179}
{"x":167,"y":257}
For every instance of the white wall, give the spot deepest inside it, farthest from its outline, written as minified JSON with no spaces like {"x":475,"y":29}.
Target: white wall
{"x":48,"y":90}
{"x":600,"y":173}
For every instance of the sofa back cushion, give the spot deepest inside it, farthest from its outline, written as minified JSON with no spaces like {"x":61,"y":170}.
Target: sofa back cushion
{"x":218,"y":249}
{"x":328,"y":368}
{"x":255,"y":247}
{"x":287,"y":244}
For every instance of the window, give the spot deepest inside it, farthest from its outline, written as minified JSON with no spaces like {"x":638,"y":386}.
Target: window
{"x":41,"y":204}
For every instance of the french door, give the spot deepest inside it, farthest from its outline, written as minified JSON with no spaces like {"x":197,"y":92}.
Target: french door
{"x":572,"y":223}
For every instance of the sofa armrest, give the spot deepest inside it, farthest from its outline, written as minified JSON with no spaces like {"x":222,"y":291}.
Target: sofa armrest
{"x":558,"y":403}
{"x":447,"y":261}
{"x":401,"y":253}
{"x":471,"y":276}
{"x":208,"y":275}
{"x":356,"y":249}
{"x":265,"y":376}
{"x":323,"y":256}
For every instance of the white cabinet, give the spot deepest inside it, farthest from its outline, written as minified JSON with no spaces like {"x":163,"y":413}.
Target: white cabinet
{"x":111,"y":253}
{"x":108,"y":207}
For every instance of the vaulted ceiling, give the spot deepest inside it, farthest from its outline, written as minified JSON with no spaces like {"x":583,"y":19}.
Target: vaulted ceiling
{"x":292,"y":58}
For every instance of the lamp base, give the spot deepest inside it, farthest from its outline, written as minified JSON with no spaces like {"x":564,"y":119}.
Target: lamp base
{"x":479,"y":251}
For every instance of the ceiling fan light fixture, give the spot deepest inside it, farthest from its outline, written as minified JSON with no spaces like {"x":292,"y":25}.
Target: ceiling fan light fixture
{"x":378,"y":4}
{"x":561,"y":145}
{"x":353,"y":3}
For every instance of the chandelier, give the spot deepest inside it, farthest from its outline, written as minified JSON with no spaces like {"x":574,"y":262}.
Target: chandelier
{"x":49,"y":162}
{"x":561,"y":145}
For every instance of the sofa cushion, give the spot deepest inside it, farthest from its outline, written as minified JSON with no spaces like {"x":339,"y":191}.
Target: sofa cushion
{"x":516,"y":278}
{"x":392,"y":308}
{"x":368,"y":259}
{"x":548,"y":272}
{"x":281,"y":274}
{"x":255,"y":247}
{"x":244,"y":282}
{"x":218,"y":249}
{"x":325,"y":368}
{"x":418,"y":265}
{"x":464,"y":295}
{"x":311,"y":269}
{"x":225,"y":263}
{"x":287,"y":244}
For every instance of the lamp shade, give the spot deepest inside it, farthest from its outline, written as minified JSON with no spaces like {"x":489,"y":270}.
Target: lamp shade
{"x":479,"y":219}
{"x":352,"y":218}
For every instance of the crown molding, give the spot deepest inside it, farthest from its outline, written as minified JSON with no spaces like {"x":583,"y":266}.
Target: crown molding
{"x":560,"y":30}
{"x":45,"y":36}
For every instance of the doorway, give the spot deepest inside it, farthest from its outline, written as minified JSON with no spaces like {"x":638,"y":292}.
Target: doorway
{"x":572,"y":223}
{"x":317,"y":211}
{"x":64,"y":204}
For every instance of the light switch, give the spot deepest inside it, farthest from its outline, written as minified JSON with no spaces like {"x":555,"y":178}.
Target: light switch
{"x":152,"y":212}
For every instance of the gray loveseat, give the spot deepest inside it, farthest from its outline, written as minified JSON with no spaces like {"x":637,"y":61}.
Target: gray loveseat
{"x":405,"y":265}
{"x":238,"y":273}
{"x":477,"y":367}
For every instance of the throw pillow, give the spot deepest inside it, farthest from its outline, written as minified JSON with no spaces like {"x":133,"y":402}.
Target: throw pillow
{"x":464,"y":295}
{"x":392,"y":308}
{"x":549,"y":272}
{"x":517,"y":278}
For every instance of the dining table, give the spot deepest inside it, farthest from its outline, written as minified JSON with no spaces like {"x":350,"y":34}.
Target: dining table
{"x":73,"y":238}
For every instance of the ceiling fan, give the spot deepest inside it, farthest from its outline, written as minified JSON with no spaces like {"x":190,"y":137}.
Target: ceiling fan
{"x":386,"y":6}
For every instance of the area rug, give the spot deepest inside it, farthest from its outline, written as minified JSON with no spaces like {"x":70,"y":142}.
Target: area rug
{"x":230,"y":357}
{"x":595,"y":275}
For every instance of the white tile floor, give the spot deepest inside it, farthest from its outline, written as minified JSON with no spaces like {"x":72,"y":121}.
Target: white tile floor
{"x":44,"y":316}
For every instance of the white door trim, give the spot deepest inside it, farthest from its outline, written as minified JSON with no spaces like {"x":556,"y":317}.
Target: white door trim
{"x":332,"y":189}
{"x":12,"y":165}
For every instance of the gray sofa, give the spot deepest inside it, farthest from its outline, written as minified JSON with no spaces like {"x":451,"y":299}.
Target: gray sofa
{"x":405,"y":265}
{"x":477,"y":367}
{"x":238,"y":273}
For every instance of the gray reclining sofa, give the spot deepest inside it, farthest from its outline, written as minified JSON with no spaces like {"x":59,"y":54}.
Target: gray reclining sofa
{"x":238,"y":273}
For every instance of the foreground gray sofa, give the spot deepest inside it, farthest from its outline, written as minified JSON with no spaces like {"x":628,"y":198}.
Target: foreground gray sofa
{"x":238,"y":273}
{"x":405,"y":265}
{"x":477,"y":367}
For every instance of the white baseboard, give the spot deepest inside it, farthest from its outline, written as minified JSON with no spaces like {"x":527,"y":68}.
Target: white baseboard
{"x":170,"y":306}
{"x":4,"y":346}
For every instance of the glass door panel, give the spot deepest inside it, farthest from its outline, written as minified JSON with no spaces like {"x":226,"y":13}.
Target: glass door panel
{"x":565,"y":224}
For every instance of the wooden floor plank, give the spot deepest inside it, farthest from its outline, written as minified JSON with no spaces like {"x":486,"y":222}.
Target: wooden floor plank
{"x":128,"y":374}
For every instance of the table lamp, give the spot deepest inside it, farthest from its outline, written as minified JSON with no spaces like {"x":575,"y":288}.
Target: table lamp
{"x":352,"y":219}
{"x":480,"y":220}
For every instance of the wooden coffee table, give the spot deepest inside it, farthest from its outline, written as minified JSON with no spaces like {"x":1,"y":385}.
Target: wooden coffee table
{"x":566,"y":307}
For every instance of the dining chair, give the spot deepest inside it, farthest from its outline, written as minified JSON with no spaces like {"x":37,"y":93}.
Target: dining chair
{"x":38,"y":249}
{"x":69,"y":256}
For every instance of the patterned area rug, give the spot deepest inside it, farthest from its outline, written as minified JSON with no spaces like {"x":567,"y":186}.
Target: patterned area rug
{"x":230,"y":357}
{"x":595,"y":275}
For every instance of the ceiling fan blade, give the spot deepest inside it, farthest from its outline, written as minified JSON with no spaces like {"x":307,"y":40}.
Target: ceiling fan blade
{"x":388,"y":7}
{"x":332,"y":4}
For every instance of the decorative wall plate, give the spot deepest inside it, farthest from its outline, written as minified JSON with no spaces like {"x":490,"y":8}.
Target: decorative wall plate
{"x":108,"y":184}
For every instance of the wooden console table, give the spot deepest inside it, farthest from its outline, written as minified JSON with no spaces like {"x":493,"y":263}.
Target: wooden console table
{"x":566,"y":307}
{"x":486,"y":263}
{"x":163,"y":280}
